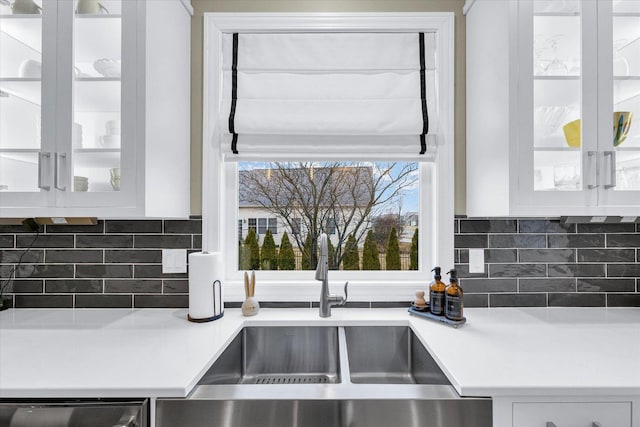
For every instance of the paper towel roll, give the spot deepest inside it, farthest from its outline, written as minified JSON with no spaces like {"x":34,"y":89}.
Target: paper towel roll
{"x":205,"y":286}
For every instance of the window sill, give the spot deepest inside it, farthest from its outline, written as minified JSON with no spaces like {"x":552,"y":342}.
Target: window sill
{"x":309,"y":290}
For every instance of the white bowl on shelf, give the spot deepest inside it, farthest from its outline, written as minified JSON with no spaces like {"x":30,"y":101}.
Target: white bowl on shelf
{"x":108,"y":67}
{"x":110,"y":141}
{"x":30,"y":69}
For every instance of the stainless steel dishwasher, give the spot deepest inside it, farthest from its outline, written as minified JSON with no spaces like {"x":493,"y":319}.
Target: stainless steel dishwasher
{"x":74,"y":413}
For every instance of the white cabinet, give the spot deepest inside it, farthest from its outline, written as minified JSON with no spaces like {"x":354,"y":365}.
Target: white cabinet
{"x":576,"y":414}
{"x":553,"y":107}
{"x":94,"y":108}
{"x":566,"y":411}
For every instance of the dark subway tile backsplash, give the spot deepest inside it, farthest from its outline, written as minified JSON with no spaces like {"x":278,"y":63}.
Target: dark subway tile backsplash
{"x":577,"y":300}
{"x":112,"y":264}
{"x":128,"y":286}
{"x":129,"y":227}
{"x":488,"y":226}
{"x":167,"y":241}
{"x":104,"y":241}
{"x":133,"y":256}
{"x":547,"y":285}
{"x":26,"y":287}
{"x":44,"y":241}
{"x":606,"y":285}
{"x":73,"y":286}
{"x":528,"y":263}
{"x":7,"y":241}
{"x":517,"y":241}
{"x":548,"y":263}
{"x":545,"y":226}
{"x":74,"y":256}
{"x":576,"y":241}
{"x":11,"y":256}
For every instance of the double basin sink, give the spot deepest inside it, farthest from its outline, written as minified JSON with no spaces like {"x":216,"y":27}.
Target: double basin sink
{"x":312,"y":355}
{"x":325,"y":376}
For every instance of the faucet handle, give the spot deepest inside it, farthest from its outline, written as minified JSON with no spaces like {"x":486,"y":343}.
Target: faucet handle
{"x":344,"y":301}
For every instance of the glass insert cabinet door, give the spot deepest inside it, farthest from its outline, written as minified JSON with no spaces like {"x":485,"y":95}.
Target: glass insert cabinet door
{"x":557,"y":108}
{"x":27,"y":73}
{"x":579,"y":98}
{"x":620,"y":102}
{"x":68,"y":99}
{"x":96,"y":150}
{"x":97,"y":116}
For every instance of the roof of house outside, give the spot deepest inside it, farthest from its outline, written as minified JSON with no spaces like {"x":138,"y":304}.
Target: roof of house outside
{"x":350,"y":185}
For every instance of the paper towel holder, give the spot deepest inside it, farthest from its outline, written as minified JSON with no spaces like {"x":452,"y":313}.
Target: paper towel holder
{"x":218,"y":305}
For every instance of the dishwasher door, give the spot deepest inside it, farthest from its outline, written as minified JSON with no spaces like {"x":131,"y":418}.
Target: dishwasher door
{"x":74,"y":413}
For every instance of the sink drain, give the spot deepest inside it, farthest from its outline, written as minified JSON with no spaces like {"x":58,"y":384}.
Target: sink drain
{"x":291,"y":379}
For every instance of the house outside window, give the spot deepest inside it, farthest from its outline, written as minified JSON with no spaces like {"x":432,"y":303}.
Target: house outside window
{"x":253,"y":225}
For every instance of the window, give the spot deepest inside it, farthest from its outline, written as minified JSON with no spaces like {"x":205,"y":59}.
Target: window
{"x":253,"y":225}
{"x":331,"y":226}
{"x":262,"y":225}
{"x":273,"y":225}
{"x":428,"y":208}
{"x":359,"y":204}
{"x":240,"y":238}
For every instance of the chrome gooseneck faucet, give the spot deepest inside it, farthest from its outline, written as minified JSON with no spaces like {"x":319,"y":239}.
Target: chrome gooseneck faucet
{"x":322,"y":273}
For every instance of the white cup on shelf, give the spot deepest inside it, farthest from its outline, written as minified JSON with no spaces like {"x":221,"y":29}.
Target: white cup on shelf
{"x":110,"y":141}
{"x":112,"y":127}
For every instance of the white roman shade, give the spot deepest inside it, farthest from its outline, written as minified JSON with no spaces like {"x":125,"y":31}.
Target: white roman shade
{"x":328,"y":95}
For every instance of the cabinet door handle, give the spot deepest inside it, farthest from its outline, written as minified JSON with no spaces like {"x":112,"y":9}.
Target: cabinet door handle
{"x":592,"y":157}
{"x":56,"y":172}
{"x":41,"y":156}
{"x":612,"y":170}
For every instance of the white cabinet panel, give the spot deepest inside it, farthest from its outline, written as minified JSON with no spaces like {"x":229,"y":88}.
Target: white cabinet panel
{"x":598,"y":414}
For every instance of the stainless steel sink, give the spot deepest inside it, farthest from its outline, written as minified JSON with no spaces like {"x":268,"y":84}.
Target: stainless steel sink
{"x":278,"y":355}
{"x":389,"y":355}
{"x":324,"y":376}
{"x":324,"y":413}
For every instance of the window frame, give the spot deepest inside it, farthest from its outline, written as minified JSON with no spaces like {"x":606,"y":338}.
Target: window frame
{"x":220,"y":200}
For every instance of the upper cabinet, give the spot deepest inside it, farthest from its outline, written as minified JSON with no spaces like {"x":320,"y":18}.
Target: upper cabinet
{"x":94,"y":108}
{"x":553,"y":107}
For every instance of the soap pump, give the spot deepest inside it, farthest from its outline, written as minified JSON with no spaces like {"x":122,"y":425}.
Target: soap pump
{"x":436,"y":293}
{"x":453,"y":298}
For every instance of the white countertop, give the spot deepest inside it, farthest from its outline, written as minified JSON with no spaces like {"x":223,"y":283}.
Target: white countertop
{"x":158,"y":353}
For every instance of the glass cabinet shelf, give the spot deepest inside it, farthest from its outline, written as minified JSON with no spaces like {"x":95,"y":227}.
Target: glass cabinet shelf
{"x":92,"y":94}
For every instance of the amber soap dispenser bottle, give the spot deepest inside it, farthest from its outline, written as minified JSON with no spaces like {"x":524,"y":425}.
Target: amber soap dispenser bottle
{"x":436,"y":293}
{"x":453,"y":298}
